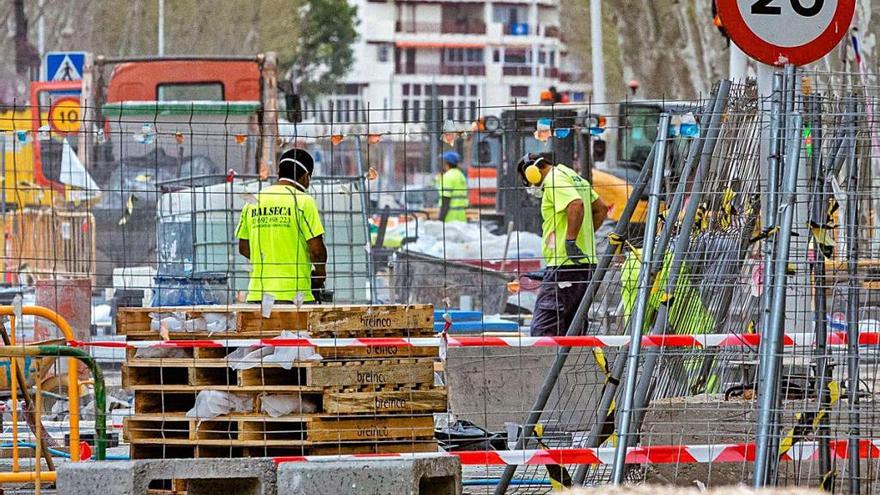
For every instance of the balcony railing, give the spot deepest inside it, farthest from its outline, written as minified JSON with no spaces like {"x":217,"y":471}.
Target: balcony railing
{"x":448,"y":27}
{"x":517,"y":70}
{"x":443,"y":70}
{"x":526,"y":70}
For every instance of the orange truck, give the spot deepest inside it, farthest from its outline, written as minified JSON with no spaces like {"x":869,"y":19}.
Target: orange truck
{"x":139,"y":126}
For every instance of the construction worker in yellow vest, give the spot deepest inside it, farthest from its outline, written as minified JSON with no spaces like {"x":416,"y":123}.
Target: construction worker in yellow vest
{"x":453,"y":190}
{"x":571,"y":212}
{"x":283,"y":237}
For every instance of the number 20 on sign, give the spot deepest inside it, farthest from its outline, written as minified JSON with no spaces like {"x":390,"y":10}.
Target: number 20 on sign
{"x":779,"y":32}
{"x":64,"y":115}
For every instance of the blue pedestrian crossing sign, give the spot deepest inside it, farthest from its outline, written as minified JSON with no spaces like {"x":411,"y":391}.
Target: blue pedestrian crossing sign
{"x":64,"y":66}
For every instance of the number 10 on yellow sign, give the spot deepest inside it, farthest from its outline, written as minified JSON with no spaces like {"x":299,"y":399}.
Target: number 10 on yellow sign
{"x":64,"y":115}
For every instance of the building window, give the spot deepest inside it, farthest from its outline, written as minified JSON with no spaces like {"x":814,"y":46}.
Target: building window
{"x":461,"y":56}
{"x":496,"y":56}
{"x":382,"y":52}
{"x":417,"y":89}
{"x":406,"y":90}
{"x":445,"y":90}
{"x":516,"y":56}
{"x":552,"y":59}
{"x":473,"y":90}
{"x":509,"y":14}
{"x":519,"y":91}
{"x":416,"y":110}
{"x":473,"y":105}
{"x":405,"y":110}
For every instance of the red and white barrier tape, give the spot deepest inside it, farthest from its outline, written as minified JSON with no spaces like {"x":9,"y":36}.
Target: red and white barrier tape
{"x":713,"y":340}
{"x":659,"y":454}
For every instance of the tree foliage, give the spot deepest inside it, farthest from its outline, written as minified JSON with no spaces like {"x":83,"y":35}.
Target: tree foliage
{"x":313,"y":38}
{"x":323,"y":52}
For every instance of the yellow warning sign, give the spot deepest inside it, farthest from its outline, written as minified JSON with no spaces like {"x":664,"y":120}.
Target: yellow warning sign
{"x":64,"y":115}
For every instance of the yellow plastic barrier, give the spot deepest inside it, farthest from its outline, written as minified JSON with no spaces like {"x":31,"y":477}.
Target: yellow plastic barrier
{"x":37,"y":476}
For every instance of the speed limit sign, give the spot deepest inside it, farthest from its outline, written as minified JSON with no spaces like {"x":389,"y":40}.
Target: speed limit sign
{"x":779,"y":32}
{"x":64,"y":115}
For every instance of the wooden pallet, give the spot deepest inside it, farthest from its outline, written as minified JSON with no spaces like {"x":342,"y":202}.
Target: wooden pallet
{"x":250,"y":429}
{"x":166,"y":451}
{"x":169,"y":399}
{"x":140,"y":374}
{"x":319,"y":320}
{"x":216,"y":356}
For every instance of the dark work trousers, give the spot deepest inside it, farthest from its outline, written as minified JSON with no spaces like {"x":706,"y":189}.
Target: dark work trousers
{"x":560,"y":295}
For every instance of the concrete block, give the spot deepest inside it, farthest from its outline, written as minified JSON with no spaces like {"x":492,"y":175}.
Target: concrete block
{"x":494,"y":385}
{"x":251,"y":476}
{"x":424,"y":475}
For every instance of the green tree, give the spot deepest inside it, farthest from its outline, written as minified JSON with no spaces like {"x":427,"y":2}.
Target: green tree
{"x":323,"y":52}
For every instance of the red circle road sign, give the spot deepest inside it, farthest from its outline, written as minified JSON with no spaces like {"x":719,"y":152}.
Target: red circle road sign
{"x":779,"y":32}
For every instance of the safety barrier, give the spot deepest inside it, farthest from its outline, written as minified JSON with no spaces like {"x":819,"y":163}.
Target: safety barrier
{"x":655,"y":454}
{"x":704,"y":341}
{"x":16,"y":352}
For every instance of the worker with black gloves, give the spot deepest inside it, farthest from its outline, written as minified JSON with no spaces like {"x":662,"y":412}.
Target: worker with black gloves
{"x":569,"y":244}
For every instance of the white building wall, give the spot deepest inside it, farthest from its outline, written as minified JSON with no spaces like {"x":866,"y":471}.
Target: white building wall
{"x":381,"y":87}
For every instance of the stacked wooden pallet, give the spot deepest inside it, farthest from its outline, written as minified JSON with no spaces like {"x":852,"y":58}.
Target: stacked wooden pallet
{"x":366,"y":399}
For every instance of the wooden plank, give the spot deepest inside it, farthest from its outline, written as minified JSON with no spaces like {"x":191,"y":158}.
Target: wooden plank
{"x":338,"y":374}
{"x":365,"y":429}
{"x":252,"y":321}
{"x":377,"y":352}
{"x":368,"y":318}
{"x":375,"y":448}
{"x":386,"y":320}
{"x":380,"y":373}
{"x":172,"y":451}
{"x":406,"y":401}
{"x":234,"y":389}
{"x":219,"y":442}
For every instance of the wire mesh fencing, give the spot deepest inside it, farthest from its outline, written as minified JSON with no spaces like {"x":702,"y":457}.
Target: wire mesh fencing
{"x":722,"y":332}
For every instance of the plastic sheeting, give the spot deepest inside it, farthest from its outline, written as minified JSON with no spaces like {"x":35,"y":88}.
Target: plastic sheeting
{"x":213,"y":403}
{"x":178,"y":322}
{"x":467,"y":241}
{"x":282,"y":405}
{"x":262,"y":355}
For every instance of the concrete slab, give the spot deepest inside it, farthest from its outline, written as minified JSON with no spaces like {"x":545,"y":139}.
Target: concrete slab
{"x":250,"y":476}
{"x":422,"y":475}
{"x":494,"y":385}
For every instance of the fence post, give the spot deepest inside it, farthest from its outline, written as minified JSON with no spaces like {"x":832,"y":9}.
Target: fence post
{"x":644,"y":287}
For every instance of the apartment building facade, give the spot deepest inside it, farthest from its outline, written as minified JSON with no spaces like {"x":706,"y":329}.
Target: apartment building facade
{"x":473,"y":57}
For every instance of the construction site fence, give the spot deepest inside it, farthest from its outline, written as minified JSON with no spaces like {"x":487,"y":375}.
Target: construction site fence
{"x":728,"y":333}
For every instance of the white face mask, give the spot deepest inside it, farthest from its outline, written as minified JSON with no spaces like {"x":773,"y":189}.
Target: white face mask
{"x":536,"y":191}
{"x":291,"y":181}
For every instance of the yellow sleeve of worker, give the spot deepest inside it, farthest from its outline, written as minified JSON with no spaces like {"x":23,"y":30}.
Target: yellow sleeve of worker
{"x":309,"y":218}
{"x":243,"y":230}
{"x":446,"y":185}
{"x":561,"y":190}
